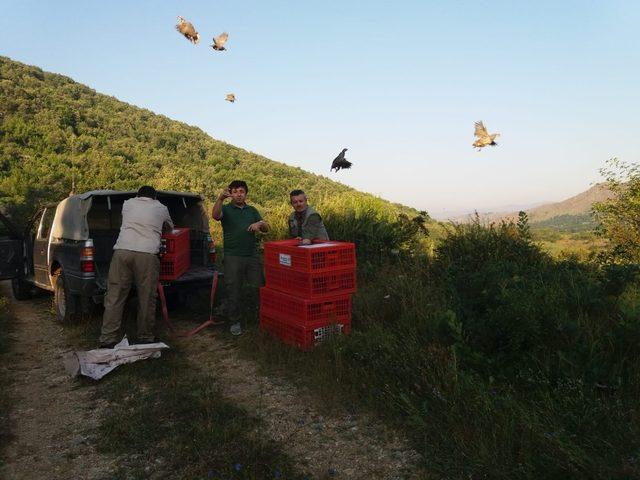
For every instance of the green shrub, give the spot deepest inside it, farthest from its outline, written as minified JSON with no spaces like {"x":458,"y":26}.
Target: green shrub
{"x":496,"y":359}
{"x":619,"y":217}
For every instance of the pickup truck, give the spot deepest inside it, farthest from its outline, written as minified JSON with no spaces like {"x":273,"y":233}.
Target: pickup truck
{"x":67,"y":248}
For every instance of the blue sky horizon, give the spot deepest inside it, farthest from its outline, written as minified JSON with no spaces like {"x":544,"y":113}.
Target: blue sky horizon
{"x":399,"y":84}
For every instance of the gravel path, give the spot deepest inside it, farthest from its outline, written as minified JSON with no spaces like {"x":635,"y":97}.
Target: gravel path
{"x":51,"y":414}
{"x":341,"y":445}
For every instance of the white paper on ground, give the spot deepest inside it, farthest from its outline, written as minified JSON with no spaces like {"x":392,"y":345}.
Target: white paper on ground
{"x":97,"y":363}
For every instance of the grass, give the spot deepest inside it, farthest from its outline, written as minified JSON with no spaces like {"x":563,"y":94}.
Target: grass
{"x":167,"y":419}
{"x":578,"y":245}
{"x":174,"y":422}
{"x":496,"y":359}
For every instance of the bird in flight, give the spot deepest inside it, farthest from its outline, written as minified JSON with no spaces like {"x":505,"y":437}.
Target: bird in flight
{"x":219,"y":41}
{"x":188,"y":30}
{"x":230,"y":97}
{"x":484,"y":139}
{"x":340,"y":162}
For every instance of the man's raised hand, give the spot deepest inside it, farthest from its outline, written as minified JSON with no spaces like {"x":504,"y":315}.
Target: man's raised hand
{"x":226,"y":193}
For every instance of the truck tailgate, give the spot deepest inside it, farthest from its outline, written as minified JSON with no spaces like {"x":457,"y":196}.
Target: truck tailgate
{"x":195,"y":274}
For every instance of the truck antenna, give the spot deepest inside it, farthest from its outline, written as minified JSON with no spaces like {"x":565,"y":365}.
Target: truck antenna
{"x":73,"y":169}
{"x":73,"y":180}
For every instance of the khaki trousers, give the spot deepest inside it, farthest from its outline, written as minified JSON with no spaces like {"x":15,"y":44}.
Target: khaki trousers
{"x":128,"y":268}
{"x":242,"y":278}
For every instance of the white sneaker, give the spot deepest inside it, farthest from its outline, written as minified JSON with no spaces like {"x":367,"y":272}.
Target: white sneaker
{"x":236,"y":329}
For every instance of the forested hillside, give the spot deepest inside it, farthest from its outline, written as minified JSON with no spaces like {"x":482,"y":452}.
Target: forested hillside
{"x":52,"y":129}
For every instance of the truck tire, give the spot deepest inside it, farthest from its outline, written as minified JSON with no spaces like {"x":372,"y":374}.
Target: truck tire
{"x":22,"y":290}
{"x":67,"y":305}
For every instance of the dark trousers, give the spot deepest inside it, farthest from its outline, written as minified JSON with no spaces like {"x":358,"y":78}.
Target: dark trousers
{"x":242,"y":277}
{"x":127,"y":268}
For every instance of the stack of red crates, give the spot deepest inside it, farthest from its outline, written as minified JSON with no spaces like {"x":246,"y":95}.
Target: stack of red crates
{"x":308,"y":291}
{"x":176,"y":258}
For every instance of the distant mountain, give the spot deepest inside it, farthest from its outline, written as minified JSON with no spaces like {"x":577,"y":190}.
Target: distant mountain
{"x":577,"y":205}
{"x":567,"y":215}
{"x":463,"y":215}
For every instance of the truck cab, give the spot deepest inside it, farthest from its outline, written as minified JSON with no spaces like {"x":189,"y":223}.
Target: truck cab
{"x":67,"y":248}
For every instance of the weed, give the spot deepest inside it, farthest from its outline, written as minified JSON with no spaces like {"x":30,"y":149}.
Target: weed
{"x":173,"y":422}
{"x":496,"y":359}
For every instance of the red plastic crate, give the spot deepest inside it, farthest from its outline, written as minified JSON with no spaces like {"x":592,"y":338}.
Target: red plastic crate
{"x":303,"y":311}
{"x":304,"y":337}
{"x":173,"y":266}
{"x":176,"y":241}
{"x":321,"y":256}
{"x":311,"y":285}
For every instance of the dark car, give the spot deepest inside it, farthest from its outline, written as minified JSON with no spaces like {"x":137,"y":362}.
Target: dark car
{"x":67,"y":248}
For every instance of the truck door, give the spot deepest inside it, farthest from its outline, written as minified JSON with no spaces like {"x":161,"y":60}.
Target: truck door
{"x":41,"y":248}
{"x":11,"y":257}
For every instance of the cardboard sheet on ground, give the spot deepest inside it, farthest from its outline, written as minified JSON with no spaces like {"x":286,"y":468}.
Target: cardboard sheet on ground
{"x":97,"y":363}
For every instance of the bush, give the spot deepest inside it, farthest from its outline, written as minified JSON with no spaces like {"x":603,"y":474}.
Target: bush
{"x":619,"y":217}
{"x":496,"y":359}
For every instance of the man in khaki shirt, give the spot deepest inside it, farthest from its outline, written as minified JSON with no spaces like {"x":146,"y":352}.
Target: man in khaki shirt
{"x":305,"y":223}
{"x":135,"y":260}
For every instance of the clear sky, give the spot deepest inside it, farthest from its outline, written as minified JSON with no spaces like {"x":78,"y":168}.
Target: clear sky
{"x":398,"y":83}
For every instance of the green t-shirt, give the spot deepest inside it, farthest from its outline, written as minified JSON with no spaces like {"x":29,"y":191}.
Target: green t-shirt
{"x":235,"y":222}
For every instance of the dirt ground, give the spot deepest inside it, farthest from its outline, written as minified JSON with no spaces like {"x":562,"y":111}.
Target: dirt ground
{"x":342,"y":445}
{"x":51,"y":415}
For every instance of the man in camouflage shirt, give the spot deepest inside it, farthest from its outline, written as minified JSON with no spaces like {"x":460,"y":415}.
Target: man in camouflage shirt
{"x":305,"y":223}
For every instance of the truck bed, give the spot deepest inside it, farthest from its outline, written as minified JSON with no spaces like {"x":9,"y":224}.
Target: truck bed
{"x":104,"y":240}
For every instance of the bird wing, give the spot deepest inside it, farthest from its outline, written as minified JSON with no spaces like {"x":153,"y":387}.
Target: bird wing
{"x":480,"y":130}
{"x":339,"y":163}
{"x":187,"y":29}
{"x":221,"y":39}
{"x":191,"y":30}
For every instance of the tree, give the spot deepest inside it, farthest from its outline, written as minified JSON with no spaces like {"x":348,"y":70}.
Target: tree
{"x":619,"y":217}
{"x":523,"y":226}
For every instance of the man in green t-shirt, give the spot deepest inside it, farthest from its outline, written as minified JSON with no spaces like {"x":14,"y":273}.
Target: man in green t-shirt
{"x":241,"y":263}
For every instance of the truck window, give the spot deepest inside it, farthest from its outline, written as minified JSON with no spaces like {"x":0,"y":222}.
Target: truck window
{"x":4,"y":231}
{"x":103,"y":218}
{"x":7,"y":229}
{"x":47,"y":221}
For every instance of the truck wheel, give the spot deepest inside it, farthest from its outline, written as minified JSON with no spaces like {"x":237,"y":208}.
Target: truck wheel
{"x":21,"y":289}
{"x":66,"y":304}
